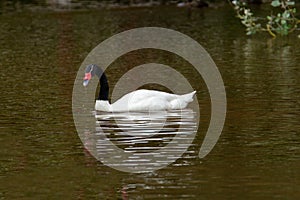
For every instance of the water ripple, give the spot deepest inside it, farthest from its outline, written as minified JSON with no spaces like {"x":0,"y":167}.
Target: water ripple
{"x":146,"y":140}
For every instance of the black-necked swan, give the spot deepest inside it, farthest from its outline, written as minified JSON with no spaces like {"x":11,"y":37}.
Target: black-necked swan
{"x":139,"y":100}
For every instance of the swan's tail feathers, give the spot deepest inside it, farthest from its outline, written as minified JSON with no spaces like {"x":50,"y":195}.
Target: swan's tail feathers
{"x":182,"y":101}
{"x":188,"y":97}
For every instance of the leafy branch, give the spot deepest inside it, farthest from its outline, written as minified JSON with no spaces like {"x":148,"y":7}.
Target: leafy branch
{"x":281,"y":23}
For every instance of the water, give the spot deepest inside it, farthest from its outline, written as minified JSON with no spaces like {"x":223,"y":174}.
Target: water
{"x":42,"y":156}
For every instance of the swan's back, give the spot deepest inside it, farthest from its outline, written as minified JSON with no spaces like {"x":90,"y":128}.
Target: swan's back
{"x":144,"y":100}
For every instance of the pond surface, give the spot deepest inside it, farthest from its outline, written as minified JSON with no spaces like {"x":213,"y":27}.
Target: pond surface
{"x":42,"y":157}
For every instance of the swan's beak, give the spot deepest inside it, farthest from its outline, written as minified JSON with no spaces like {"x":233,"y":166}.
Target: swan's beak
{"x":86,"y":79}
{"x":85,"y":83}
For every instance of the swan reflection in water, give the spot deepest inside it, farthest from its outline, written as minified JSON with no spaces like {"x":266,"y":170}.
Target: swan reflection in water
{"x":141,"y":141}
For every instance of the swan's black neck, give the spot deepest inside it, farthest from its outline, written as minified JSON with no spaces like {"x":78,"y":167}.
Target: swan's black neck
{"x":104,"y":89}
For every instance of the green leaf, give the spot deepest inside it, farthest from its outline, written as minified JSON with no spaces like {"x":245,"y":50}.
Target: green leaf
{"x":249,"y":33}
{"x":275,"y":3}
{"x":283,"y":21}
{"x":290,"y":3}
{"x":286,"y":14}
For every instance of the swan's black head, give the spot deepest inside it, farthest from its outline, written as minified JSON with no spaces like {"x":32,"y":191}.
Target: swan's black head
{"x":92,"y":70}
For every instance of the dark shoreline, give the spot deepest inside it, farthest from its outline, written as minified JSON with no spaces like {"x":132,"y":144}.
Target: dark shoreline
{"x":7,"y":7}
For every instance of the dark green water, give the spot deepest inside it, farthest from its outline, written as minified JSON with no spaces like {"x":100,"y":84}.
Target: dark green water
{"x":42,"y":157}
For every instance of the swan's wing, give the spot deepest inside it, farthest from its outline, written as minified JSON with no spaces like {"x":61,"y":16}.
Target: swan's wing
{"x":150,"y":104}
{"x":143,"y":94}
{"x":143,"y":100}
{"x":140,"y":95}
{"x":150,"y":100}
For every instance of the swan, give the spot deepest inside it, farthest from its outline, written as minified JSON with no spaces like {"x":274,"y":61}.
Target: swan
{"x":139,"y":100}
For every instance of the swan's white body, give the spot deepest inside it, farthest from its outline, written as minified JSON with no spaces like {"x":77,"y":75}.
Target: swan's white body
{"x":146,"y":100}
